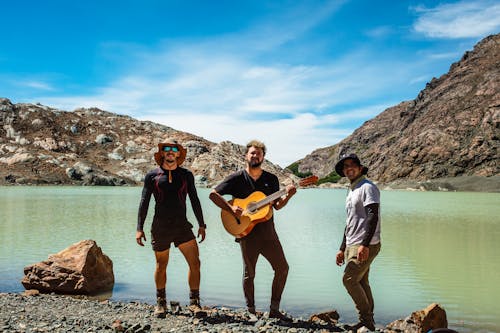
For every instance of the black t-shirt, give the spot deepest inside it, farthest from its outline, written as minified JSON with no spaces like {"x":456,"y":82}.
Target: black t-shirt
{"x":240,"y":185}
{"x":170,"y":197}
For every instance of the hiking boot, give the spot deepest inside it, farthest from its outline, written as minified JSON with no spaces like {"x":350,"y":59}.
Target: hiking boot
{"x":196,"y":309}
{"x":368,"y":324}
{"x":253,"y":314}
{"x":278,"y":315}
{"x":194,"y":304}
{"x":160,"y":308}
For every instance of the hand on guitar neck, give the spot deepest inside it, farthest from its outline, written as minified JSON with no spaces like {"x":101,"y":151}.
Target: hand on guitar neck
{"x":257,"y":208}
{"x":281,"y":202}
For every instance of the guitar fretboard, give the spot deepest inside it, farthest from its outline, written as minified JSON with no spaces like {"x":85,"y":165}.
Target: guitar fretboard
{"x":269,"y":199}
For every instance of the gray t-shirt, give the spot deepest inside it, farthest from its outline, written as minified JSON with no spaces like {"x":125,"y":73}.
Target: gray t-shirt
{"x":364,"y":194}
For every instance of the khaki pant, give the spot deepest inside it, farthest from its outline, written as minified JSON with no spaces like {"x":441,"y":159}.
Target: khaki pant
{"x":356,"y":281}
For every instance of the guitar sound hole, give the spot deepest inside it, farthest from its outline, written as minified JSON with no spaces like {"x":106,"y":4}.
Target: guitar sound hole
{"x":252,"y":208}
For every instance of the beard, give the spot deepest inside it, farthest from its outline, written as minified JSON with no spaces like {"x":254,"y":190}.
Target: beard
{"x":169,"y":159}
{"x":254,"y":163}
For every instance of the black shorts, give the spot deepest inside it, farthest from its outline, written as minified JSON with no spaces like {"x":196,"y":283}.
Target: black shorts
{"x":162,"y":239}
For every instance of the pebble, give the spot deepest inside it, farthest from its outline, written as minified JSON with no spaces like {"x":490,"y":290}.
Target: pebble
{"x":58,"y":313}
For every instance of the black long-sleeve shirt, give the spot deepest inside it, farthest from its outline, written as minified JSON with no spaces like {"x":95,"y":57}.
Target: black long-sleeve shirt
{"x":170,"y":188}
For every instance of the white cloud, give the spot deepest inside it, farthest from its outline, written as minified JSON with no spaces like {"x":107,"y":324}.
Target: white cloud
{"x":222,"y":89}
{"x":464,"y":19}
{"x":287,"y":140}
{"x":37,"y":85}
{"x":227,"y":97}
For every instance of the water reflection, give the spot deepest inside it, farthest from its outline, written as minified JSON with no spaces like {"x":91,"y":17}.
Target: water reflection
{"x":436,"y":247}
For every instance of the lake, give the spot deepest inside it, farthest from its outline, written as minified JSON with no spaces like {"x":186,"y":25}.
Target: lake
{"x":439,"y":247}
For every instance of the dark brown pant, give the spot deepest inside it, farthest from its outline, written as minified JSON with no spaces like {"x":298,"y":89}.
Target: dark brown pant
{"x":273,"y":252}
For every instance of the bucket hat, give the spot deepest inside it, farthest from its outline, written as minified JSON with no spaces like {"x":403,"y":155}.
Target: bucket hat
{"x":172,"y":143}
{"x":340,"y":164}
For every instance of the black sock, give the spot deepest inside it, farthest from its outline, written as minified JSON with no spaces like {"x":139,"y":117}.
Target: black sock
{"x":194,"y":294}
{"x":160,"y":293}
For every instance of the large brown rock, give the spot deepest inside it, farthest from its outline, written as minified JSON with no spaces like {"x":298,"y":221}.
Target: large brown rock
{"x":81,"y":268}
{"x":432,"y":317}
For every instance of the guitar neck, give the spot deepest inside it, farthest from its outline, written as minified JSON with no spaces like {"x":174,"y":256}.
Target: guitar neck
{"x":271,"y":198}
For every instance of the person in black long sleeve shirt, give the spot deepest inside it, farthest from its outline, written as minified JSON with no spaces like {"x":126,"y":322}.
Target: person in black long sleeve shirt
{"x":171,"y":184}
{"x":361,"y":239}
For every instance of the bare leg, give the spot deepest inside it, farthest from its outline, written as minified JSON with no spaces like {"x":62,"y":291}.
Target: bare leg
{"x":190,"y":251}
{"x":161,"y":268}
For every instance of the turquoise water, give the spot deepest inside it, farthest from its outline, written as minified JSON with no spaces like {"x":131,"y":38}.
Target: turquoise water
{"x":436,"y":247}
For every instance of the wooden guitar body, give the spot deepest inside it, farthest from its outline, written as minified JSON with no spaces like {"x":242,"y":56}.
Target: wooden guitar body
{"x":256,"y":209}
{"x":250,"y":217}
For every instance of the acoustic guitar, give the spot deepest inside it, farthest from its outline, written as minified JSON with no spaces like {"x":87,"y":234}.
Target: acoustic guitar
{"x":257,"y":208}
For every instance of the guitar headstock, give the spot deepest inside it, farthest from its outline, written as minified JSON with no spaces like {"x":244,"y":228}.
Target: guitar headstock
{"x":311,"y":180}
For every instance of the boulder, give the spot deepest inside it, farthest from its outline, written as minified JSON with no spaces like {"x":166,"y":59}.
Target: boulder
{"x":102,"y":180}
{"x":103,"y":139}
{"x":81,"y":269}
{"x":422,"y":321}
{"x":78,"y":171}
{"x":92,"y":176}
{"x":17,"y":158}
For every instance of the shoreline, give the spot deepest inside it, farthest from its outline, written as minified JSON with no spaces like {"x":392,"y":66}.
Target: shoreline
{"x":23,"y":312}
{"x":476,"y":184}
{"x":480,"y":184}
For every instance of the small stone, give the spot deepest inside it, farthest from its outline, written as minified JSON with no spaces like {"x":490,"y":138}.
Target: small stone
{"x":117,"y":326}
{"x":31,"y":292}
{"x":328,"y":317}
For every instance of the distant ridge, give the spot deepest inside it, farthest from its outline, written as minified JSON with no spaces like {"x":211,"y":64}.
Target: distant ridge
{"x":446,"y":137}
{"x":43,"y":145}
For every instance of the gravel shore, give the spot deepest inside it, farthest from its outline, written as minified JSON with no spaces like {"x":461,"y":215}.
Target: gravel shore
{"x":58,"y":313}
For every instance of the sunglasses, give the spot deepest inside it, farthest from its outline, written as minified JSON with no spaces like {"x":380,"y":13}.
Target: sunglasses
{"x":170,"y":148}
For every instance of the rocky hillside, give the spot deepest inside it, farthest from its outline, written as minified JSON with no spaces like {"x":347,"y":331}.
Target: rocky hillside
{"x":450,"y":131}
{"x":447,"y":137}
{"x":43,"y":145}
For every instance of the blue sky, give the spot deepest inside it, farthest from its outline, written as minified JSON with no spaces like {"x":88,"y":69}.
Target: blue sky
{"x":298,"y":75}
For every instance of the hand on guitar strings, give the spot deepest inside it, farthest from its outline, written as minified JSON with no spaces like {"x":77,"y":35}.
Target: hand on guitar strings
{"x":237,"y":211}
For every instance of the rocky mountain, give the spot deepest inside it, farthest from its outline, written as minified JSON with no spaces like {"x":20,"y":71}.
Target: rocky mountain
{"x":448,"y":136}
{"x":43,"y":145}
